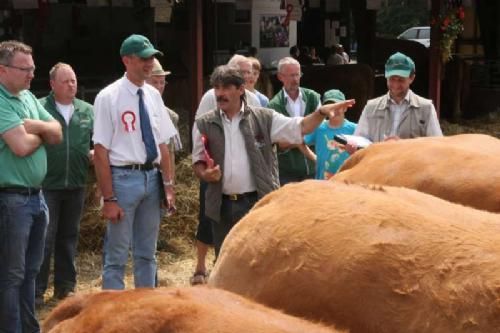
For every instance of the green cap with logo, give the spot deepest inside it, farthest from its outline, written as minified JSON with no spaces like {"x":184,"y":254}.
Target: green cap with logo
{"x":138,"y":45}
{"x":333,"y":95}
{"x":399,"y":64}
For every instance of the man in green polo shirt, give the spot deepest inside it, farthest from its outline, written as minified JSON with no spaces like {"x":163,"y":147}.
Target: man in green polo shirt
{"x":24,"y":127}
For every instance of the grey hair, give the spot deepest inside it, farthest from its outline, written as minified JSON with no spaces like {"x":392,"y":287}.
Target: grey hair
{"x":9,"y":48}
{"x":55,"y":68}
{"x":237,"y":59}
{"x":287,"y":61}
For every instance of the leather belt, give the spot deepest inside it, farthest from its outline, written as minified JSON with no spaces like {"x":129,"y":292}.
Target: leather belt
{"x":20,"y":190}
{"x":236,"y":197}
{"x":144,"y":167}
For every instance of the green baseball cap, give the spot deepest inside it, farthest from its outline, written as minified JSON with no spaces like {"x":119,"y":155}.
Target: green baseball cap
{"x":138,"y":45}
{"x":399,"y":64}
{"x":333,"y":95}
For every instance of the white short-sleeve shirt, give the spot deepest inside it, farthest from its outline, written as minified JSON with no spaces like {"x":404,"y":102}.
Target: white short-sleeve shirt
{"x":117,"y":124}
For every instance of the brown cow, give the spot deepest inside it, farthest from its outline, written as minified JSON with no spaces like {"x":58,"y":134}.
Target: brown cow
{"x":463,"y":168}
{"x":187,"y":310}
{"x":368,"y":260}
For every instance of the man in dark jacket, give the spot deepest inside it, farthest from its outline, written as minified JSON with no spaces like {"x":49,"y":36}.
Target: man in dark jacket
{"x":64,"y":185}
{"x":295,"y":160}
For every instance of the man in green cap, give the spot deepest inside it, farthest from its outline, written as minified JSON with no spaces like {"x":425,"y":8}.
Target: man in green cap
{"x":399,"y":114}
{"x":131,"y":135}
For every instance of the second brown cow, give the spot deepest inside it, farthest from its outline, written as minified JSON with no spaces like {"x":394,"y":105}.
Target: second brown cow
{"x":461,"y":168}
{"x":371,"y":260}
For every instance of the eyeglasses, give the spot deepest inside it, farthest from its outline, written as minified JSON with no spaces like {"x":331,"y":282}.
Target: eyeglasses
{"x":294,"y":76}
{"x":27,"y":70}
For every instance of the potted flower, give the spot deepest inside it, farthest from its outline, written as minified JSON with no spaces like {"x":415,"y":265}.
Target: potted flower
{"x":451,"y":25}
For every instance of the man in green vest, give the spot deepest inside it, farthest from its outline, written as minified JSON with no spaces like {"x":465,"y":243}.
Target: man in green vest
{"x":24,"y":128}
{"x":233,"y":149}
{"x":64,"y":185}
{"x":294,"y":101}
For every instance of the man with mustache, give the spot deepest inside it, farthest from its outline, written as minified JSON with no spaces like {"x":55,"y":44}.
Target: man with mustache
{"x":64,"y":185}
{"x":204,"y":237}
{"x":239,"y":161}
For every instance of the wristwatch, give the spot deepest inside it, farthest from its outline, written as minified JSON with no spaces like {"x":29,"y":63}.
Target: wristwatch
{"x":111,"y":199}
{"x":168,"y":183}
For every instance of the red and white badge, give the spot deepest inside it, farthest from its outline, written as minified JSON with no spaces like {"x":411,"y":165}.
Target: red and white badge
{"x":128,"y":120}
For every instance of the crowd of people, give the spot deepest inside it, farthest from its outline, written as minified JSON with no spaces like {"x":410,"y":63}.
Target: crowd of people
{"x":333,"y":55}
{"x":245,"y":145}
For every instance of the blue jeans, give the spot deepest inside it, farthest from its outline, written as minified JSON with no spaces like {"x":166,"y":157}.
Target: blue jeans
{"x":138,"y":194}
{"x":65,"y":211}
{"x":23,"y":221}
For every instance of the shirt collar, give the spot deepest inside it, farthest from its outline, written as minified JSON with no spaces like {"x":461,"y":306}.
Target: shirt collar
{"x":242,"y":110}
{"x":405,"y":100}
{"x":288,"y":98}
{"x":131,"y":87}
{"x":6,"y":93}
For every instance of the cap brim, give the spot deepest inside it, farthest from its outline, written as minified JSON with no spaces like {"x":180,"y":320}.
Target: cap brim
{"x":146,"y":53}
{"x":398,"y":72}
{"x":333,"y":100}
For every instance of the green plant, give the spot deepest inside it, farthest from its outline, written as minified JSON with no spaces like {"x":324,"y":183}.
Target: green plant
{"x":451,"y":24}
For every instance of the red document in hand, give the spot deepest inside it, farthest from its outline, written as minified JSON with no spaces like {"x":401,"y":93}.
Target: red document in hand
{"x":208,"y":158}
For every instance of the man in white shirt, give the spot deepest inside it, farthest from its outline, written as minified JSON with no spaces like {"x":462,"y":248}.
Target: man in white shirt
{"x":204,"y":237}
{"x":399,"y":114}
{"x":131,"y":135}
{"x":233,"y":149}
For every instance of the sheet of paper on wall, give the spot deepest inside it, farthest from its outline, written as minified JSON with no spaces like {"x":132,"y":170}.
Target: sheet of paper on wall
{"x":296,"y":13}
{"x":25,"y":4}
{"x":163,"y":13}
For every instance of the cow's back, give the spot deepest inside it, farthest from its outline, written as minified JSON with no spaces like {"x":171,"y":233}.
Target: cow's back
{"x":369,"y":260}
{"x":462,"y":168}
{"x":172,"y":310}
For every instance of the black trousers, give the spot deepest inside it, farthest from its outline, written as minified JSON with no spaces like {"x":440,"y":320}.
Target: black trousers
{"x":231,"y":212}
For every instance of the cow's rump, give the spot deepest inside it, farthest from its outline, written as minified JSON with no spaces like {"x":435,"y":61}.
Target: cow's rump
{"x":368,"y":259}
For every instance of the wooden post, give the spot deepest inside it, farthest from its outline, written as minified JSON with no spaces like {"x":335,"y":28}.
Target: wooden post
{"x":196,"y":57}
{"x":435,"y":62}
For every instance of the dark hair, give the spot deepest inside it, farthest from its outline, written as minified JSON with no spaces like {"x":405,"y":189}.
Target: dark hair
{"x":226,"y":75}
{"x":9,"y":48}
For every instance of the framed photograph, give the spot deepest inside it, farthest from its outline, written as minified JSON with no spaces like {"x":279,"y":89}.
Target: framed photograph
{"x":273,"y":31}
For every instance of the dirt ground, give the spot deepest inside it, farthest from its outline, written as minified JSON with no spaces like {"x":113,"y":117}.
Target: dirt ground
{"x":176,"y":256}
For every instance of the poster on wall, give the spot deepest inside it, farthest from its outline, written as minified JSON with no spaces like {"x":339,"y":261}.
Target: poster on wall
{"x":273,"y":32}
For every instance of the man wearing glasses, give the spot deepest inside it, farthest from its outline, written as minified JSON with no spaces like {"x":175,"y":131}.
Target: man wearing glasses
{"x":25,"y":126}
{"x":131,"y":136}
{"x":295,"y":161}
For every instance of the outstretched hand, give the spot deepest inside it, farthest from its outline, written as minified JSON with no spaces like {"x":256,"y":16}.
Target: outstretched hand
{"x":330,"y":110}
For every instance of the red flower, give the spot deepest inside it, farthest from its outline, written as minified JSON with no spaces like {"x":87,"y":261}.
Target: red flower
{"x":446,"y":22}
{"x":461,"y":13}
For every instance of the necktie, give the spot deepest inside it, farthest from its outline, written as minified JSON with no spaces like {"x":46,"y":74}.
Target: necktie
{"x":147,"y":132}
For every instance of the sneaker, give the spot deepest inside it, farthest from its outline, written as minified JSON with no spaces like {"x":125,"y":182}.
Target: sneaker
{"x":62,"y":293}
{"x":198,"y":278}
